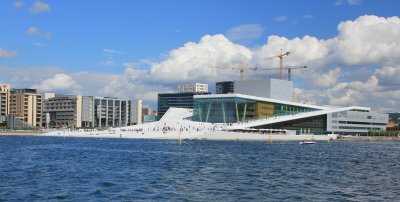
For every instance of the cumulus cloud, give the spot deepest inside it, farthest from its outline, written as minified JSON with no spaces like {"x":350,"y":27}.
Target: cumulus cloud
{"x":327,"y":59}
{"x":389,"y":75}
{"x":368,"y":40}
{"x":36,"y":31}
{"x":4,"y":53}
{"x":320,"y":79}
{"x":134,"y":84}
{"x":191,"y":62}
{"x":367,"y":45}
{"x":58,"y":82}
{"x":39,"y":7}
{"x":245,"y":32}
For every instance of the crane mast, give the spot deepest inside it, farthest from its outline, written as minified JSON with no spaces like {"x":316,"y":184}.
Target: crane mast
{"x":280,"y":56}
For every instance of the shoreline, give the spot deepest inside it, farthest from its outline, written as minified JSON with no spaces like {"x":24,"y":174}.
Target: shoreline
{"x":206,"y":136}
{"x":369,"y":138}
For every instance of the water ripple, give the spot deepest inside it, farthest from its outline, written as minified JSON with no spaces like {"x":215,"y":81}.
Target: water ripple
{"x":81,"y":169}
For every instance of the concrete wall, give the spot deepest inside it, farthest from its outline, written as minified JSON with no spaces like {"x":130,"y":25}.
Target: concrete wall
{"x":269,"y":88}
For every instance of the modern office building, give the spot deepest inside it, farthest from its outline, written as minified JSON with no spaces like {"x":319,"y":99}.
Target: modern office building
{"x":268,"y":88}
{"x":193,"y":88}
{"x":225,"y":87}
{"x":266,"y":113}
{"x":114,"y":112}
{"x":4,"y":99}
{"x":76,"y":111}
{"x":87,"y":114}
{"x":26,"y":105}
{"x":62,"y":111}
{"x":178,"y":100}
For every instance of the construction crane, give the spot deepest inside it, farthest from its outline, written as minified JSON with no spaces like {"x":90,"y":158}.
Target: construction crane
{"x":280,"y":56}
{"x":241,"y":69}
{"x":288,"y":68}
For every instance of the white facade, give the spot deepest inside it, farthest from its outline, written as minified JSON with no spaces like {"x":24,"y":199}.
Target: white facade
{"x":356,"y":121}
{"x":267,"y":88}
{"x":193,"y":88}
{"x":4,"y":99}
{"x":136,"y":112}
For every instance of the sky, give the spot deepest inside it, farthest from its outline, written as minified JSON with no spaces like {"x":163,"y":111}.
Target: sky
{"x":135,"y":49}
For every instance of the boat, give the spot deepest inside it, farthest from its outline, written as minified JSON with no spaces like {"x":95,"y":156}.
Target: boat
{"x":307,"y":142}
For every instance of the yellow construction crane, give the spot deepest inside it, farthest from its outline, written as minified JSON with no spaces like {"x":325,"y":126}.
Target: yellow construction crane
{"x":288,"y":68}
{"x":241,"y":69}
{"x":280,"y":56}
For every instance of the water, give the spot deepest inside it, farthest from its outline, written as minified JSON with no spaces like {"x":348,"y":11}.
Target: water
{"x":80,"y":169}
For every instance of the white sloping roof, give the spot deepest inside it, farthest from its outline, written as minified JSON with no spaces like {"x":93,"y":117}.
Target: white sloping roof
{"x":291,"y":117}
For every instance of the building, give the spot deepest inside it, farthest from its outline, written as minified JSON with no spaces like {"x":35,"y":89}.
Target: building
{"x":136,"y":112}
{"x":87,"y":113}
{"x":62,"y":111}
{"x":26,"y":105}
{"x":193,"y":88}
{"x":113,"y":112}
{"x":148,"y":111}
{"x":76,"y":111}
{"x":266,"y":113}
{"x":178,"y":100}
{"x":225,"y":87}
{"x":4,"y":99}
{"x":149,"y":115}
{"x":268,"y":88}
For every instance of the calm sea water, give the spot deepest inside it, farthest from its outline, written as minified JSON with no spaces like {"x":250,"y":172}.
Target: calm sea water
{"x":80,"y":169}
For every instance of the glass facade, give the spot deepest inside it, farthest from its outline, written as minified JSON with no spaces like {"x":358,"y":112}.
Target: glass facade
{"x":236,"y":109}
{"x":179,"y":100}
{"x":312,"y":125}
{"x":109,"y":112}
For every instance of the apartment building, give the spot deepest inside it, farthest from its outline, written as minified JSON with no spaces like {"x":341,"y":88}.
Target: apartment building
{"x":4,"y":99}
{"x":26,"y":105}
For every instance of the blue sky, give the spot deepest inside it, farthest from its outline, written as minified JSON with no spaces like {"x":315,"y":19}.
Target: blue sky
{"x":135,"y":49}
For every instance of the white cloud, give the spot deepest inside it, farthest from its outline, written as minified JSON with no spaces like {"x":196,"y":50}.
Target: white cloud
{"x":4,"y":53}
{"x":332,"y":76}
{"x":328,"y":62}
{"x":320,"y":79}
{"x":36,"y":31}
{"x":18,"y":4}
{"x":369,"y":40}
{"x":39,"y":7}
{"x":338,"y":2}
{"x":355,"y":2}
{"x":245,"y":32}
{"x":191,"y":62}
{"x":281,"y":18}
{"x":371,"y":85}
{"x":58,"y":82}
